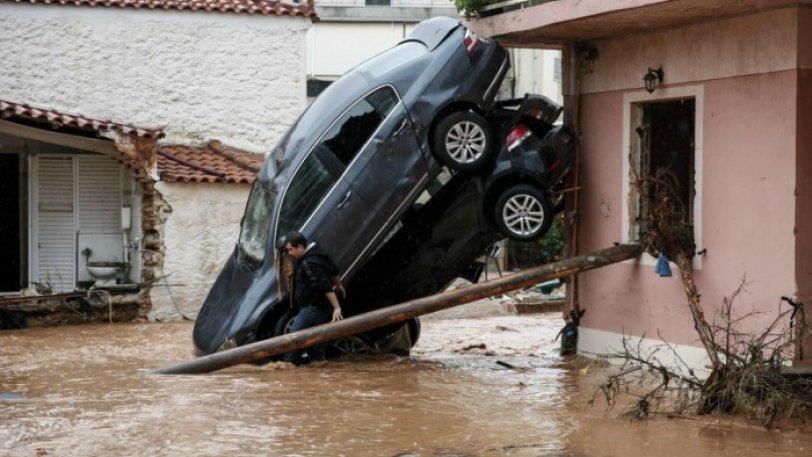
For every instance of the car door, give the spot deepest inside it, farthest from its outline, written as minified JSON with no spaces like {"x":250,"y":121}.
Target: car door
{"x":394,"y":167}
{"x":320,"y":199}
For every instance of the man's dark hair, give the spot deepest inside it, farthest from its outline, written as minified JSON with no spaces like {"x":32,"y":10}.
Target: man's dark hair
{"x":296,"y":239}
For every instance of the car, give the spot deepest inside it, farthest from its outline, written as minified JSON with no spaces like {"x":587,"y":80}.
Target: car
{"x":362,"y":155}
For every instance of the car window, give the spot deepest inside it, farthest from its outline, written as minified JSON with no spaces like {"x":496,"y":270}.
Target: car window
{"x":355,"y":127}
{"x":330,"y":157}
{"x":256,"y":223}
{"x":317,"y":175}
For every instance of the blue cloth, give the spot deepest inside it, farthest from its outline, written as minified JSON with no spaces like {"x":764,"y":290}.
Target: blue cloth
{"x":308,"y":316}
{"x":662,"y":268}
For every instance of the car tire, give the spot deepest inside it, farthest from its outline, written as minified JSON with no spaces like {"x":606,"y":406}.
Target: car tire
{"x":462,"y":141}
{"x":282,"y":325}
{"x":414,"y":330}
{"x":523,"y":213}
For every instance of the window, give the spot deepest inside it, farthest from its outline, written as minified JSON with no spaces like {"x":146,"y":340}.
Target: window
{"x":662,"y":152}
{"x":557,"y":69}
{"x":355,"y":127}
{"x":317,"y":175}
{"x":378,"y":2}
{"x":322,"y":169}
{"x":256,"y":223}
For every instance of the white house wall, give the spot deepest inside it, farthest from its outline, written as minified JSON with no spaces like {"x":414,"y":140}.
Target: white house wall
{"x":199,"y":235}
{"x":333,"y":48}
{"x":236,"y":78}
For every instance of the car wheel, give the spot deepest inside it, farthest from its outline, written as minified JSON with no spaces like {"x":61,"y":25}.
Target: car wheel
{"x":283,"y":324}
{"x":523,"y":213}
{"x":462,"y":141}
{"x":414,"y":330}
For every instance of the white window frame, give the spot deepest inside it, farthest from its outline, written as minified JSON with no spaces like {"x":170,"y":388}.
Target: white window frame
{"x":630,"y":99}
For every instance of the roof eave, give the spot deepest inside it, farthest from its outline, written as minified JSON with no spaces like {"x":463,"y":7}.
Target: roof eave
{"x":558,"y":22}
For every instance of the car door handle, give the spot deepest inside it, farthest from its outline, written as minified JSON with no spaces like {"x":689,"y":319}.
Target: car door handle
{"x":402,"y":127}
{"x":344,"y":200}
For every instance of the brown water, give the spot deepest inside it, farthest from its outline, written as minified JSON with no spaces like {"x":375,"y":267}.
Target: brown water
{"x":84,"y":391}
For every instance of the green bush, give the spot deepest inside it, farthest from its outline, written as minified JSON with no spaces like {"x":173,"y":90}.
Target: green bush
{"x":472,"y":7}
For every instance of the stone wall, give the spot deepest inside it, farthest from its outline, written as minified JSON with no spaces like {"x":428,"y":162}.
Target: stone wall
{"x":234,"y":77}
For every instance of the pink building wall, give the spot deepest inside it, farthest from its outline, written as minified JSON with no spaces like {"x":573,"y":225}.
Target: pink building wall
{"x":803,"y":211}
{"x":754,"y":99}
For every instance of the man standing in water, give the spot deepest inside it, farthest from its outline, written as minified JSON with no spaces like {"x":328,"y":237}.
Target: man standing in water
{"x":315,"y":282}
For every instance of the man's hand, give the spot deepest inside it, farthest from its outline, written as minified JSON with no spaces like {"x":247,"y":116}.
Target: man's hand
{"x":337,"y":314}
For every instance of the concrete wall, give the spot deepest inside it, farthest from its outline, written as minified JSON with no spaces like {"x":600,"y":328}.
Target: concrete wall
{"x":199,"y":234}
{"x":234,"y":77}
{"x":747,"y":121}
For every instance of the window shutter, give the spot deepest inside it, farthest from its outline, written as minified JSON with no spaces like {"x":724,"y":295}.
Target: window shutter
{"x":55,"y":223}
{"x":99,"y":192}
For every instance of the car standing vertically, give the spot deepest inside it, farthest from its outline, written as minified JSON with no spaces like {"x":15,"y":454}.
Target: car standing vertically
{"x":359,"y":156}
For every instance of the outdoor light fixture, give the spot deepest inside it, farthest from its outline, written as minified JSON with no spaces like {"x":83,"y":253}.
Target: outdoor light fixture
{"x":589,"y":53}
{"x":651,"y":78}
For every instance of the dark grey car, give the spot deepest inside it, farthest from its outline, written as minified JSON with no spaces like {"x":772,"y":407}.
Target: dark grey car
{"x":360,"y":156}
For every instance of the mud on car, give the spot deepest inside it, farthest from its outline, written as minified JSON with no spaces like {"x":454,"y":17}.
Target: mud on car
{"x":362,"y":156}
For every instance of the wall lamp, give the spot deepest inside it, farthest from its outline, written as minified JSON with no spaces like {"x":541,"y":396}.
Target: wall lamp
{"x":652,"y":77}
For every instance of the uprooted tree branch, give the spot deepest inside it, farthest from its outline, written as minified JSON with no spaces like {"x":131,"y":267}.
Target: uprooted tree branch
{"x":744,"y":376}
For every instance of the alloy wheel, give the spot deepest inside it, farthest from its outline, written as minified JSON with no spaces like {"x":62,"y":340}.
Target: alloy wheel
{"x":465,"y":142}
{"x":523,"y":214}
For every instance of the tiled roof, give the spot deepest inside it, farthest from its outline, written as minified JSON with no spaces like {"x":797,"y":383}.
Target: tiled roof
{"x":214,"y":162}
{"x":261,"y":7}
{"x":54,"y":119}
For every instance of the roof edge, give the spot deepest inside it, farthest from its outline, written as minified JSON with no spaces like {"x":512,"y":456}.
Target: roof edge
{"x":55,"y":119}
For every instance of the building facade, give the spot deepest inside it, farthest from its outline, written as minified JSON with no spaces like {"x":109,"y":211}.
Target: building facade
{"x":90,"y":189}
{"x":727,"y":115}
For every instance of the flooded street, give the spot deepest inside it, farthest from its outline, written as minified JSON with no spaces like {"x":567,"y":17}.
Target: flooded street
{"x":84,"y":390}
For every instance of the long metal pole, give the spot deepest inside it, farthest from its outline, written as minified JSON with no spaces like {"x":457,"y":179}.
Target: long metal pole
{"x":401,"y":312}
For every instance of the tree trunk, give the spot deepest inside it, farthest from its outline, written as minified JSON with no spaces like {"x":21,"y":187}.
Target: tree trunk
{"x":695,"y":305}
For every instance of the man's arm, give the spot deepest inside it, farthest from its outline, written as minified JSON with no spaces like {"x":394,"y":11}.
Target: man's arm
{"x":331,"y":296}
{"x":320,"y":281}
{"x":338,"y":287}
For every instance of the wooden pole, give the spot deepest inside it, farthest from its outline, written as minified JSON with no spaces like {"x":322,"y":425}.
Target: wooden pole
{"x":401,"y":312}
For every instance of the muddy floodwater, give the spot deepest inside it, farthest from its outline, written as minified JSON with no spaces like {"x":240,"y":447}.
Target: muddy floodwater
{"x":85,"y":391}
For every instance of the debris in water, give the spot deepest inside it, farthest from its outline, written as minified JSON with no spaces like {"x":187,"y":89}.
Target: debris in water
{"x":505,"y":329}
{"x":10,"y":396}
{"x":471,"y":347}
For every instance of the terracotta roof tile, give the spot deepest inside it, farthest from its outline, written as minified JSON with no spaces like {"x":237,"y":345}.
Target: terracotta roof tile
{"x":55,"y":119}
{"x":214,"y":162}
{"x":260,"y":7}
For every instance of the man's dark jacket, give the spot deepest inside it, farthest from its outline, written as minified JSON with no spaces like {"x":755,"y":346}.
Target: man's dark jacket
{"x":312,"y":278}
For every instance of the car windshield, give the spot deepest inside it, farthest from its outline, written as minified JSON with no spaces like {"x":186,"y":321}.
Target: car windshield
{"x":256,"y":223}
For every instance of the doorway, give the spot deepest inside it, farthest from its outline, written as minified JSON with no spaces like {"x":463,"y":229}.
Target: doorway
{"x":13,"y":222}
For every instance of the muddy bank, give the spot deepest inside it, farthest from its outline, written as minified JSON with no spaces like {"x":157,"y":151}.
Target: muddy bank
{"x":84,"y":390}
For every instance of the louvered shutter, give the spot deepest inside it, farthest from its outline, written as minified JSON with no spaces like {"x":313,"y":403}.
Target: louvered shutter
{"x":99,"y":189}
{"x":56,"y":235}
